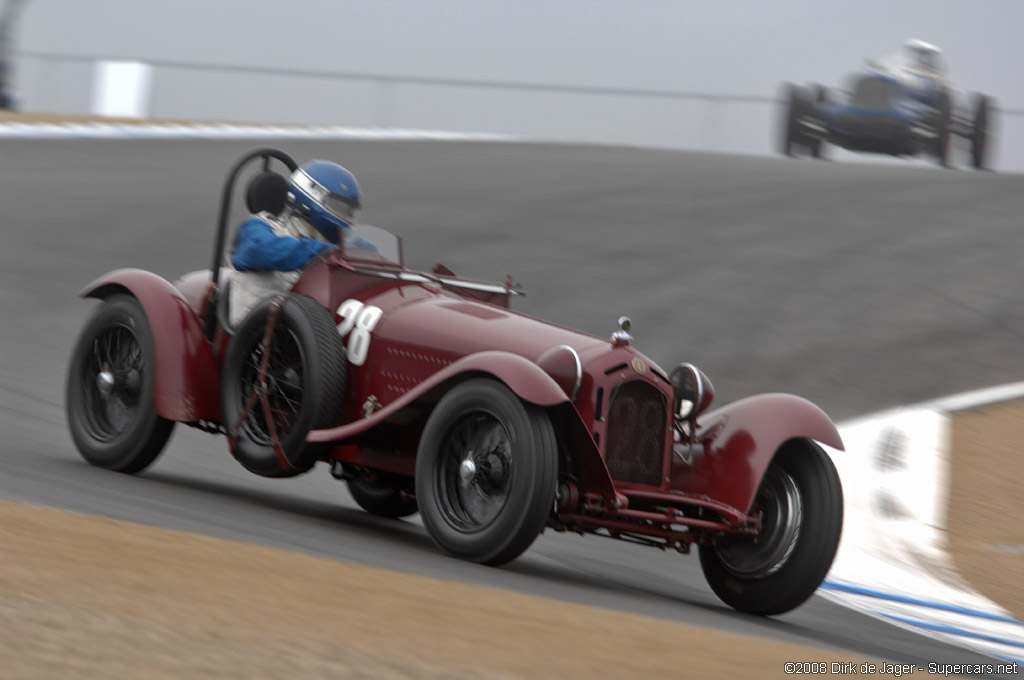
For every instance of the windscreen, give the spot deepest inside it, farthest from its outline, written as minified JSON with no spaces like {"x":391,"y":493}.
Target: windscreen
{"x":367,"y":243}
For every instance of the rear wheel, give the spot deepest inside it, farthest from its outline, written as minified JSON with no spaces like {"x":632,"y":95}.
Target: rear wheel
{"x":980,"y":132}
{"x":109,"y":392}
{"x":943,"y":122}
{"x":284,"y":375}
{"x":800,"y":501}
{"x":486,"y":471}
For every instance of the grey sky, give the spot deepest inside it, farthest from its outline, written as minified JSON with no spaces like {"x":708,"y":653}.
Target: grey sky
{"x":724,"y":47}
{"x":745,"y":47}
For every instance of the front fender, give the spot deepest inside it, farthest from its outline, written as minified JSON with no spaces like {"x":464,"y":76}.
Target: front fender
{"x":740,"y":440}
{"x":522,"y":376}
{"x":187,"y":381}
{"x":527,"y":380}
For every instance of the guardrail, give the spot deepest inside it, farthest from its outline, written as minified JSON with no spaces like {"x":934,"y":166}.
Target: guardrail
{"x":390,"y":79}
{"x":709,"y":121}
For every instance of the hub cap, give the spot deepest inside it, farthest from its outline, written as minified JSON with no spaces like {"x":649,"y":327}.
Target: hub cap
{"x":781,"y":508}
{"x":112,"y":382}
{"x":475,"y":475}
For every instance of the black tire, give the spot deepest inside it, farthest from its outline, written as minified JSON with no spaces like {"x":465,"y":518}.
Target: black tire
{"x":798,"y":103}
{"x":817,"y":145}
{"x":981,"y":132}
{"x":943,"y":132}
{"x":305,"y":386}
{"x":381,"y":498}
{"x":789,"y":117}
{"x":799,"y":537}
{"x":112,"y":418}
{"x":491,"y":511}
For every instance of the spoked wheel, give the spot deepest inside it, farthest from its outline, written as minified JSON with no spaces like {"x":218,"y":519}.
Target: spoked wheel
{"x":382,"y":496}
{"x":800,"y":502}
{"x":109,"y":395}
{"x":284,"y":376}
{"x":486,"y":472}
{"x":798,"y":104}
{"x":980,"y":132}
{"x":943,"y":133}
{"x":817,"y":146}
{"x":476,"y":471}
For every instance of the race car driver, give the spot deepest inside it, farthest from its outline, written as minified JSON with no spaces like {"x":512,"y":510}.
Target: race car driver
{"x":923,"y":58}
{"x":322,"y":205}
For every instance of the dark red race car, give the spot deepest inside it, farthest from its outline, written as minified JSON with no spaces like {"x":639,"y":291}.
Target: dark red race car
{"x":425,"y":392}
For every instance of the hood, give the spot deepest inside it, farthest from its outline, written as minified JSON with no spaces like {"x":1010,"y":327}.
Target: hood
{"x":461,"y":327}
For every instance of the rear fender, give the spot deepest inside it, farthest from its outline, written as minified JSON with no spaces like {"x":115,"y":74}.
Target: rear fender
{"x":187,"y":380}
{"x":738,"y":443}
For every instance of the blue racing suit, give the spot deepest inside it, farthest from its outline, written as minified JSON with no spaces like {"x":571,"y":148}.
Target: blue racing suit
{"x":268,"y":254}
{"x":258,"y":248}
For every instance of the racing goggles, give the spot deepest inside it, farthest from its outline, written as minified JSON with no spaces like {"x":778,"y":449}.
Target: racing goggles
{"x":345,"y":209}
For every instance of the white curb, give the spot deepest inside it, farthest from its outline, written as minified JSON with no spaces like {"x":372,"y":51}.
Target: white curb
{"x":893,"y":561}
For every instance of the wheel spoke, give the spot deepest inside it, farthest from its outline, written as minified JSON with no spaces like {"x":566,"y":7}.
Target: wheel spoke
{"x":476,"y":471}
{"x":781,"y":506}
{"x":111,"y":410}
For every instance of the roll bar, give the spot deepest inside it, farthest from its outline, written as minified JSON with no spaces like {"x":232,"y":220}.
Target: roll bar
{"x":267,"y":154}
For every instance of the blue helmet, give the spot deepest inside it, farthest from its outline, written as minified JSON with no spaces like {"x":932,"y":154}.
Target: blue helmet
{"x":327,"y":195}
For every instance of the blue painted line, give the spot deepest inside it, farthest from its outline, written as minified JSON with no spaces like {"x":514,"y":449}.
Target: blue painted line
{"x":1019,"y":662}
{"x":856,"y":590}
{"x":953,"y":630}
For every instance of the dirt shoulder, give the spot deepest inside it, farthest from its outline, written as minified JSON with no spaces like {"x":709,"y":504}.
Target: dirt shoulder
{"x":985,"y":506}
{"x":84,"y":597}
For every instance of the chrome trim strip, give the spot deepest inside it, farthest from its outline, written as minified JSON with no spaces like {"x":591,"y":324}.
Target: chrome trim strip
{"x":457,"y":283}
{"x":474,"y":285}
{"x":579,"y":372}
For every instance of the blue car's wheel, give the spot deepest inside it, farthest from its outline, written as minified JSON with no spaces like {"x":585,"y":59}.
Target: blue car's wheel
{"x":943,"y":122}
{"x":798,"y":103}
{"x":980,"y":132}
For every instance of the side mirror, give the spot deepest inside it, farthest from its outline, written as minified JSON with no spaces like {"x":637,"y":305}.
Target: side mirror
{"x":693,"y":392}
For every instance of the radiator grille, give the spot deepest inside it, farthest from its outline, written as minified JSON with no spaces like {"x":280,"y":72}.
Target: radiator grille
{"x":636,"y":434}
{"x":873,"y":127}
{"x":873,"y":94}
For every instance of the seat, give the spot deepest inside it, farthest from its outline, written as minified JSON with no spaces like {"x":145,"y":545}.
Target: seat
{"x":224,"y":302}
{"x":268,"y":191}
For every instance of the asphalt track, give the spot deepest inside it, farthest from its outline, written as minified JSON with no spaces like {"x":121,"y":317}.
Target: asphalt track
{"x":858,"y":286}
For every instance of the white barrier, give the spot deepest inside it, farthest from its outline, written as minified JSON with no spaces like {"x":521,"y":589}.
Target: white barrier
{"x":893,"y":561}
{"x":110,"y":130}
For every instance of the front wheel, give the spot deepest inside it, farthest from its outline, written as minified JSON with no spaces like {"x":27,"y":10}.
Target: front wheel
{"x":817,"y":146}
{"x":109,"y":392}
{"x":486,"y":471}
{"x":798,"y":104}
{"x":800,"y":501}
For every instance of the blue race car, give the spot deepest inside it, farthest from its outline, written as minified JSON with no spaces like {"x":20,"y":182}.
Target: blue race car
{"x":905,"y":110}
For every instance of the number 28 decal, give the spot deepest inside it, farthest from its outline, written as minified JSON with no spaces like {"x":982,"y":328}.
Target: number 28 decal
{"x":357,"y":320}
